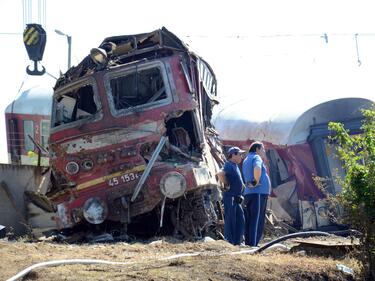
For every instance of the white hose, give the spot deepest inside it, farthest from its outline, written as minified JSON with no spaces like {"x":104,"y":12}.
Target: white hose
{"x":255,"y":249}
{"x":278,"y":245}
{"x":59,"y":262}
{"x":180,"y":256}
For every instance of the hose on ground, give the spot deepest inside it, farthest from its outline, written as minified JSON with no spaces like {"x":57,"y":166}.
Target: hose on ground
{"x":289,"y":236}
{"x":60,"y":262}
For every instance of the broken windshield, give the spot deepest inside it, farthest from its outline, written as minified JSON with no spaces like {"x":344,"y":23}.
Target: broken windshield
{"x":140,"y":87}
{"x":75,"y":104}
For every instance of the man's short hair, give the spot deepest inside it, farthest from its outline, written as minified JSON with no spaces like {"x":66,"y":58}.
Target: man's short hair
{"x":255,"y":145}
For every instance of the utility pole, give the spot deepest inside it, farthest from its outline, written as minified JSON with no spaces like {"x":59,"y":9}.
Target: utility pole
{"x":69,"y":38}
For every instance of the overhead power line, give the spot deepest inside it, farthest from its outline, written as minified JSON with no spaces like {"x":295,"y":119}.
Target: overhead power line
{"x":325,"y":36}
{"x":10,"y":33}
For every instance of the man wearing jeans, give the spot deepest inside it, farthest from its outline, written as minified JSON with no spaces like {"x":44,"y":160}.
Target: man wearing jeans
{"x":258,"y":187}
{"x":234,"y":219}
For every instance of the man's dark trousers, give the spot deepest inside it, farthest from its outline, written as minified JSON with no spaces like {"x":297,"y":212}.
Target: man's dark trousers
{"x":255,"y":213}
{"x":234,"y":219}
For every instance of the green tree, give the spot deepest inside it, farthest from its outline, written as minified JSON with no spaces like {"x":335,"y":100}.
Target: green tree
{"x":357,"y":153}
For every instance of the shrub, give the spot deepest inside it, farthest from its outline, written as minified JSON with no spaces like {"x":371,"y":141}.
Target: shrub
{"x":357,"y":154}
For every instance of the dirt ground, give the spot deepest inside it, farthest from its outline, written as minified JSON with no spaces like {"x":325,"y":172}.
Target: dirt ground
{"x":211,"y":261}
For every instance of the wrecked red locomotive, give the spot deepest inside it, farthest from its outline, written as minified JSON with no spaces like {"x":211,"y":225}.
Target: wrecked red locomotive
{"x":131,"y":136}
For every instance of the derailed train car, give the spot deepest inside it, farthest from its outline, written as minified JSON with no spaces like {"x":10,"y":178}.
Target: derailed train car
{"x":27,"y":125}
{"x":131,"y":138}
{"x":302,"y":160}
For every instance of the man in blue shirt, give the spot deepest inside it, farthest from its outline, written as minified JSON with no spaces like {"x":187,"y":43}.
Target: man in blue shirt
{"x":234,"y":220}
{"x":258,"y":188}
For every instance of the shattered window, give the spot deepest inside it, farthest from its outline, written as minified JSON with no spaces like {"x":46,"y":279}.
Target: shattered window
{"x":44,"y":132}
{"x":75,"y":105}
{"x":141,"y":87}
{"x":28,"y":130}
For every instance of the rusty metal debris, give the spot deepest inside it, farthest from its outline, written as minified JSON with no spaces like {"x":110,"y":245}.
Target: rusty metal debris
{"x":131,"y":144}
{"x":275,"y":226}
{"x":334,"y":246}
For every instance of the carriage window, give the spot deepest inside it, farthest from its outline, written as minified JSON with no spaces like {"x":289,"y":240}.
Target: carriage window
{"x":44,"y":132}
{"x":74,"y":105}
{"x":28,"y":130}
{"x":141,"y":87}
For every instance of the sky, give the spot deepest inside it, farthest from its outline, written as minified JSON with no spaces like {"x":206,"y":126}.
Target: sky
{"x":270,"y":57}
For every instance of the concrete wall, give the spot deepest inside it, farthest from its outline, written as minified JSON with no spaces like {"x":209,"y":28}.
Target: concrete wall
{"x":14,"y":180}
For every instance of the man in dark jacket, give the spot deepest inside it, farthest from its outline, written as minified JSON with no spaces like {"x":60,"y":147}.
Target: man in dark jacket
{"x":234,"y":219}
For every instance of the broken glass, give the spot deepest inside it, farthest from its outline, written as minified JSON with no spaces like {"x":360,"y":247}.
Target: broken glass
{"x":75,"y":105}
{"x":137,"y":88}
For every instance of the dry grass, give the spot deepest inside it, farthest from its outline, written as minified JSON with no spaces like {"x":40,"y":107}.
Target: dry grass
{"x":211,"y":264}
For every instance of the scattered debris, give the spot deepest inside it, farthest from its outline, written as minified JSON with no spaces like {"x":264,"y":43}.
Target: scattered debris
{"x":345,"y":269}
{"x":156,"y":242}
{"x":275,"y":226}
{"x":208,"y":239}
{"x":334,"y":246}
{"x":101,"y":238}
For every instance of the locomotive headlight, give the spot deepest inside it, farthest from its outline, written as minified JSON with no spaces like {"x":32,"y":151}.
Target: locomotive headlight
{"x":72,"y":168}
{"x":95,"y":210}
{"x":99,"y":56}
{"x":173,"y":185}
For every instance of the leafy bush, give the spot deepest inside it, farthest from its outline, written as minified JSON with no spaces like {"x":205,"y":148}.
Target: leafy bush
{"x":357,"y":153}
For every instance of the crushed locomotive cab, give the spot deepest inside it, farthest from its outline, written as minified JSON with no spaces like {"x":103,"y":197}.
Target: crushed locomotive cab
{"x":131,"y":136}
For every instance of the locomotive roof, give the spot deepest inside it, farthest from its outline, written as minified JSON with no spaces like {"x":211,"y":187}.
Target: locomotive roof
{"x":127,"y":48}
{"x":36,"y":100}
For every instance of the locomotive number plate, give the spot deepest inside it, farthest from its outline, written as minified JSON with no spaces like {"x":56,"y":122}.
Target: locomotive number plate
{"x":114,"y":181}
